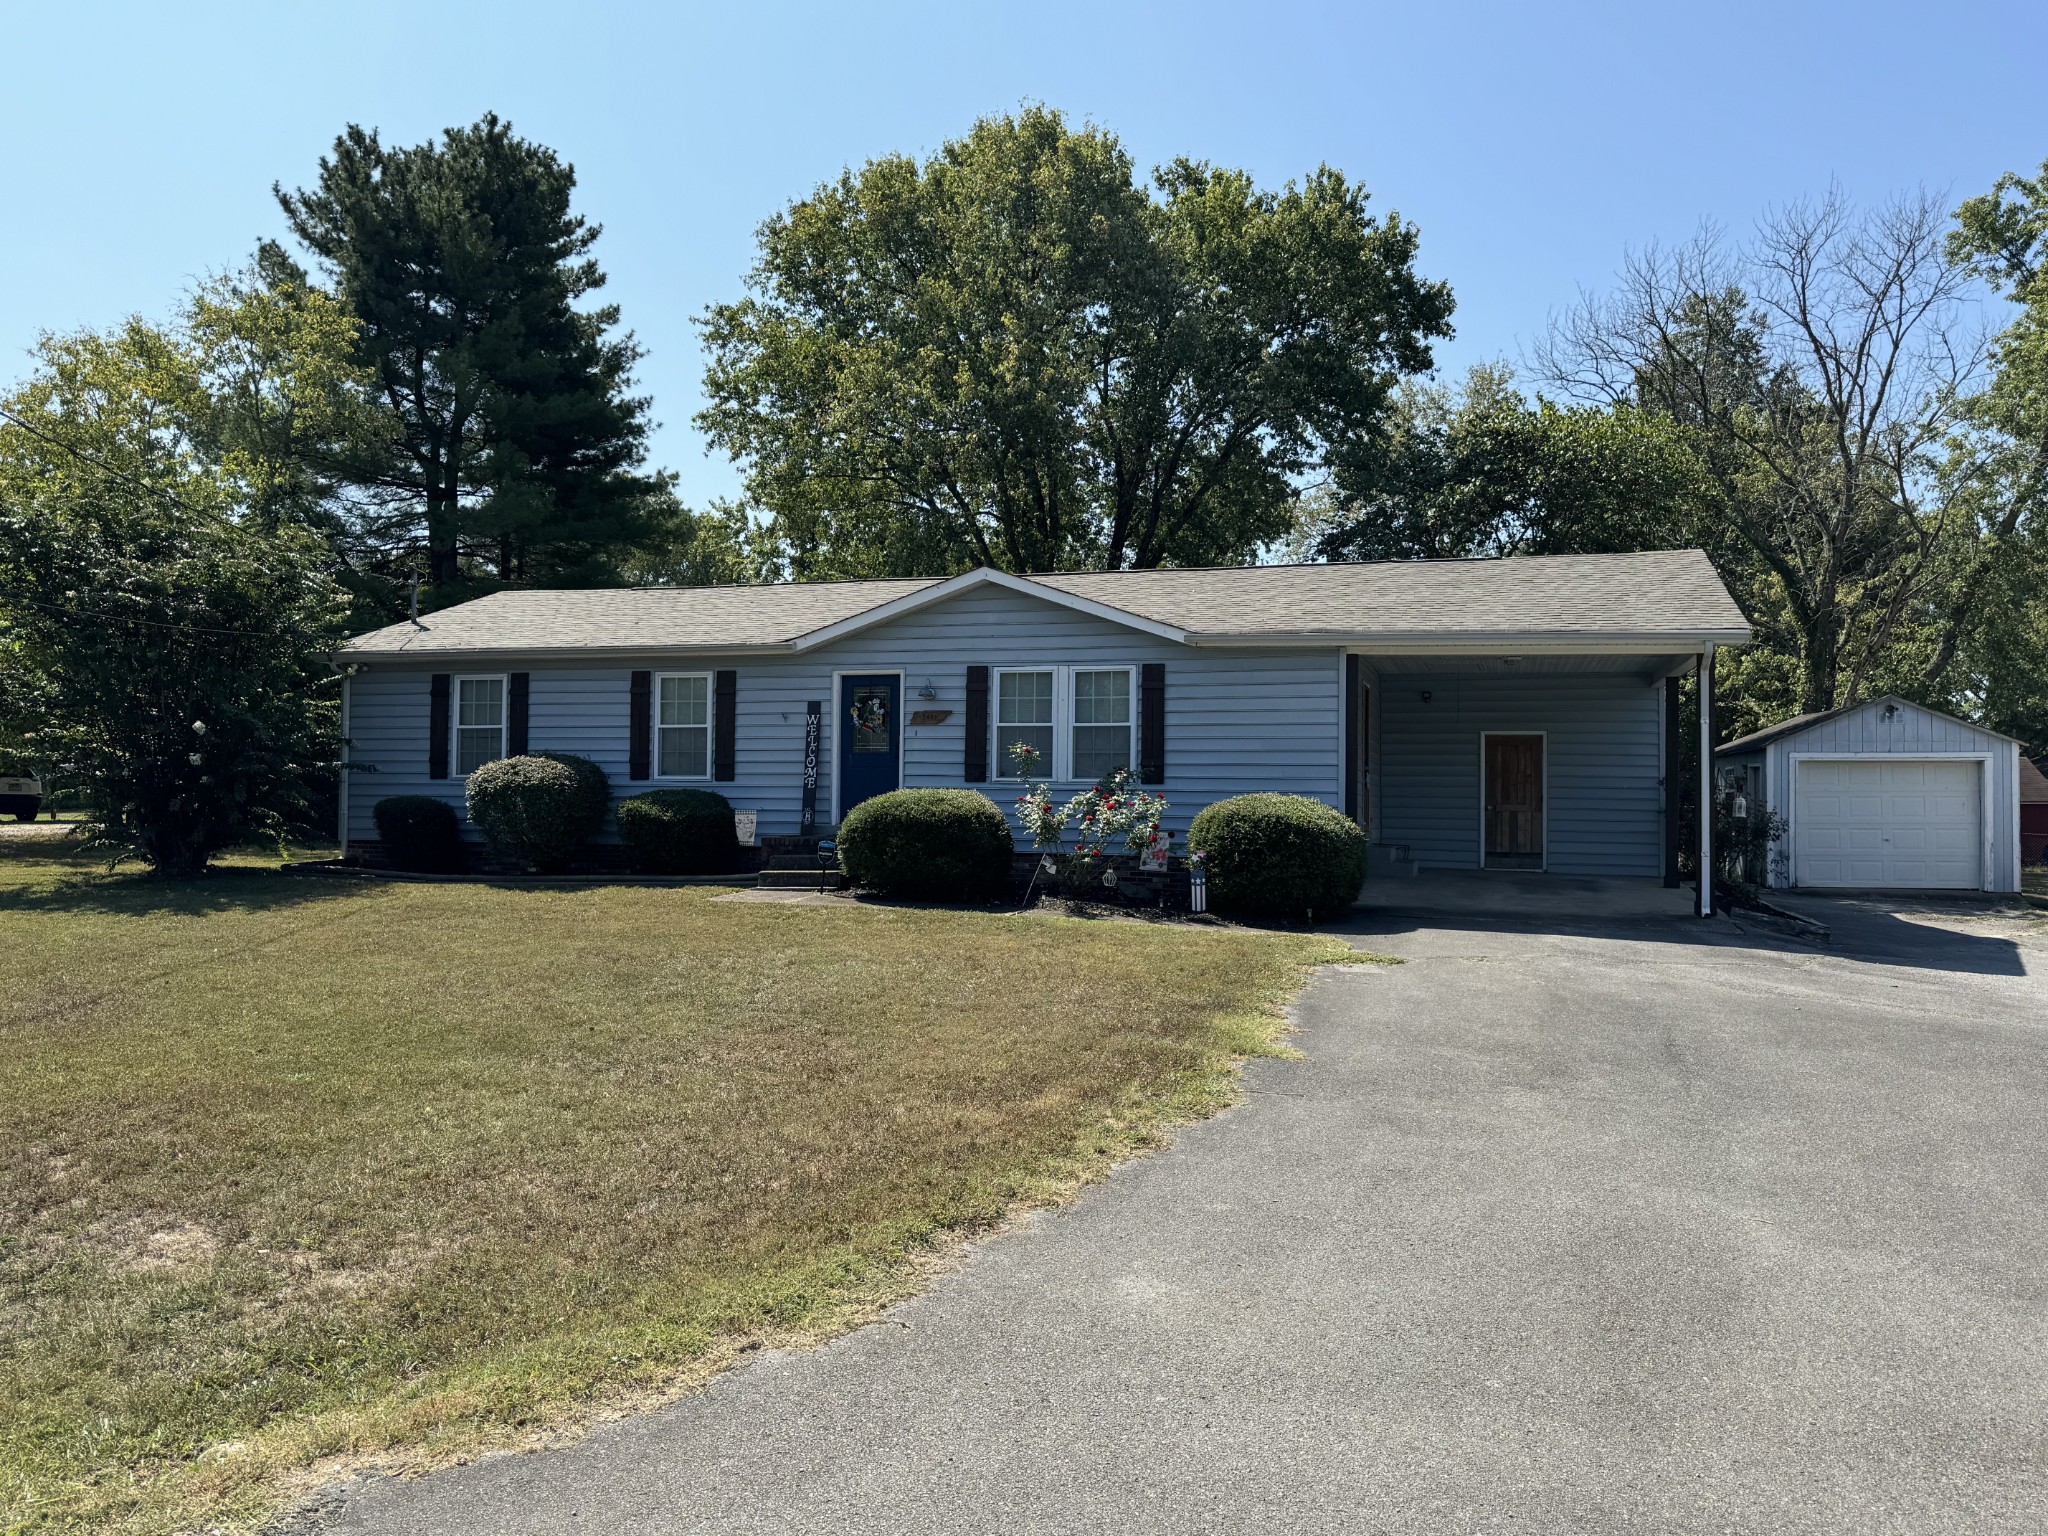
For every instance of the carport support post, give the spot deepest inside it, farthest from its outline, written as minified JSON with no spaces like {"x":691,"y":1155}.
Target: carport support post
{"x":1674,"y":833}
{"x":1706,"y":901}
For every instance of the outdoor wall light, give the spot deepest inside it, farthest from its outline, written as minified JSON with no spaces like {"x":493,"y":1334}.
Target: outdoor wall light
{"x":1890,"y":710}
{"x":1425,"y":695}
{"x":927,"y":692}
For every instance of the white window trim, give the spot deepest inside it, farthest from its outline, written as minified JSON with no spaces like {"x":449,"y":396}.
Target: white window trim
{"x":709,"y":727}
{"x":456,"y":727}
{"x":1061,"y":768}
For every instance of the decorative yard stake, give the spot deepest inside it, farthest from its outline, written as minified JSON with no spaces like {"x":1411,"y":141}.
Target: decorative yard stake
{"x":1198,"y":881}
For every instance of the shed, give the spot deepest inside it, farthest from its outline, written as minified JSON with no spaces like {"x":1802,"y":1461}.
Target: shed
{"x":1885,"y":795}
{"x":2033,"y":812}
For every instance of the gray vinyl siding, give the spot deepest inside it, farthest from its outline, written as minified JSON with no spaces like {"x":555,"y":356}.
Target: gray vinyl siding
{"x":1603,"y":808}
{"x":1235,"y":720}
{"x":1910,"y":732}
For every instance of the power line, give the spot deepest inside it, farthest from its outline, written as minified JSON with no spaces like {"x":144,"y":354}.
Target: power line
{"x":175,"y":500}
{"x":122,"y":475}
{"x":99,"y":464}
{"x":126,"y":618}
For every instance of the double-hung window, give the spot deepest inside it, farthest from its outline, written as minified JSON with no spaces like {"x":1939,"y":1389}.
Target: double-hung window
{"x":479,"y":722}
{"x":682,"y":725}
{"x":1078,"y":720}
{"x":1102,"y":722}
{"x":1024,"y":718}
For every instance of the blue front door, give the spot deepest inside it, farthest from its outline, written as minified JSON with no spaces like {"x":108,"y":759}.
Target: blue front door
{"x":870,"y":738}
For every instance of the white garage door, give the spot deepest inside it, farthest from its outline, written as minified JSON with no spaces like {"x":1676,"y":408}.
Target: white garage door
{"x":1906,"y":824}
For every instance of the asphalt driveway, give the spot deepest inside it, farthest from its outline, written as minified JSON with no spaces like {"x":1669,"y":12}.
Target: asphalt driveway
{"x":1666,"y":1228}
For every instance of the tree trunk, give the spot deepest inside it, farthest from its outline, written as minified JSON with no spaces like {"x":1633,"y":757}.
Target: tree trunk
{"x":441,"y":566}
{"x":176,"y":850}
{"x":1823,"y":662}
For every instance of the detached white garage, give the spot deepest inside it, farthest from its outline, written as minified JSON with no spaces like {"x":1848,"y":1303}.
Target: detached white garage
{"x":1885,"y":795}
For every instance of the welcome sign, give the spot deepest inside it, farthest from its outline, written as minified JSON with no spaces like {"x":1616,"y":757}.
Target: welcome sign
{"x":814,"y":722}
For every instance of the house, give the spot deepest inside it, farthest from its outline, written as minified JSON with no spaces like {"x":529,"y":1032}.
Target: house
{"x":1517,"y":714}
{"x":1885,"y":795}
{"x":2033,"y":811}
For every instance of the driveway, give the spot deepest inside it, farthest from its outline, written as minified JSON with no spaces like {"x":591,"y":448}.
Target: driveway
{"x":1654,"y":1228}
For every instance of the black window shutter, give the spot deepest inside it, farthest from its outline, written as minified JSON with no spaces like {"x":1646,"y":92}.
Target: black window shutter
{"x":437,"y":727}
{"x":725,"y":687}
{"x":975,"y":769}
{"x":515,"y":713}
{"x":1152,"y":723}
{"x":1354,"y":737}
{"x":641,"y":725}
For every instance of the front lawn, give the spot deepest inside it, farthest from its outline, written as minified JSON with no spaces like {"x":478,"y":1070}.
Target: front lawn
{"x":295,"y":1169}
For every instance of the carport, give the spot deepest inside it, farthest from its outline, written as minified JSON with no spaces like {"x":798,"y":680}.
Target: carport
{"x":1883,"y":795}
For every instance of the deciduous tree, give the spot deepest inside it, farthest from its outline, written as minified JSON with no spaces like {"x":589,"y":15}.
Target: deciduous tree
{"x":1479,"y":471}
{"x":1013,"y":354}
{"x":158,"y":636}
{"x":1997,"y":636}
{"x":1822,"y":372}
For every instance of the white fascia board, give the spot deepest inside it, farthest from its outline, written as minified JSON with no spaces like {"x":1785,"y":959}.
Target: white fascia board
{"x":984,"y":576}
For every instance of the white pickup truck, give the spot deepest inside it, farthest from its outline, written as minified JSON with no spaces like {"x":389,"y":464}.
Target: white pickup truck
{"x":20,"y":796}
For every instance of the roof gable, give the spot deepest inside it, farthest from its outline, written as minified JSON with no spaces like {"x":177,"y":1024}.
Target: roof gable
{"x":985,"y":576}
{"x":1757,"y":740}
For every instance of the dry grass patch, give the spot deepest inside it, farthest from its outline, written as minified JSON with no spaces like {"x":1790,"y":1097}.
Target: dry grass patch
{"x":294,"y":1170}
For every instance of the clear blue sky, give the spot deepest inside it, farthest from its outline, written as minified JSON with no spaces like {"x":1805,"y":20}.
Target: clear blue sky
{"x":1532,"y":143}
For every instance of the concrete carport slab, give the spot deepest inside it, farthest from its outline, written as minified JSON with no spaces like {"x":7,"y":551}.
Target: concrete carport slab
{"x":1566,"y":901}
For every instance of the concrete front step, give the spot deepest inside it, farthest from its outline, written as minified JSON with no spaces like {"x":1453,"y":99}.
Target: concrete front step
{"x":789,"y":842}
{"x":801,"y":879}
{"x":793,"y":861}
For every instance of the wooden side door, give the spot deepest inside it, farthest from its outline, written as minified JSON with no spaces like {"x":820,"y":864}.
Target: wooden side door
{"x":1514,"y":802}
{"x":1358,"y":745}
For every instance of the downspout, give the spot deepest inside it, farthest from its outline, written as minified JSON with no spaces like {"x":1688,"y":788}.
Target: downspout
{"x":1706,"y":901}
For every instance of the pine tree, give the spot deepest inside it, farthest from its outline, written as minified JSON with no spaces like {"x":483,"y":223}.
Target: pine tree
{"x":517,"y":444}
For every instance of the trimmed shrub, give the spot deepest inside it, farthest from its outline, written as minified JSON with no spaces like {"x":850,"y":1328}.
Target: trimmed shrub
{"x":1279,"y":856}
{"x":420,"y":834}
{"x":931,"y":844}
{"x":540,"y":809}
{"x":679,"y":832}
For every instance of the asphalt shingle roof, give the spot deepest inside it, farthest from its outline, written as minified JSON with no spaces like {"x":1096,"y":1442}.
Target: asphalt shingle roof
{"x":636,"y":618}
{"x":1672,"y":593}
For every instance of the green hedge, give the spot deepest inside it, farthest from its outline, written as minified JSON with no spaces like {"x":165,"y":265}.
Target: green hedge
{"x":1279,"y":856}
{"x":539,"y":810}
{"x":679,"y":832}
{"x":420,"y":833}
{"x":930,"y":844}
